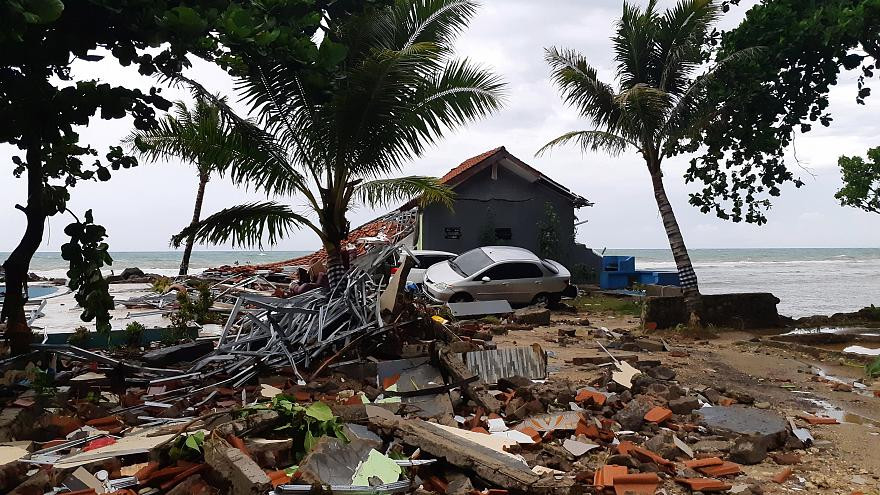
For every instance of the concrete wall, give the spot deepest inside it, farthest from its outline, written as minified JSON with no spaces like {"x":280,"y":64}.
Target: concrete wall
{"x":506,"y":202}
{"x":739,"y":311}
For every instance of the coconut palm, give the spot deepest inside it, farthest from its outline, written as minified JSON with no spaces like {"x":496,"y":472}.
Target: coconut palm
{"x":398,"y":90}
{"x":171,"y":139}
{"x":658,"y":104}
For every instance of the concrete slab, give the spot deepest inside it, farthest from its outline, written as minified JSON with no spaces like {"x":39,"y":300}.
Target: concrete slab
{"x":745,"y":421}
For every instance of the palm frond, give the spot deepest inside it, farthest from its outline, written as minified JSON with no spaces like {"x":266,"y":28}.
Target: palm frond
{"x":580,"y":86}
{"x":398,"y":128}
{"x":634,"y":43}
{"x":643,"y":111}
{"x":680,"y":35}
{"x":382,"y":192}
{"x":437,"y":21}
{"x":245,"y":225}
{"x":590,"y":141}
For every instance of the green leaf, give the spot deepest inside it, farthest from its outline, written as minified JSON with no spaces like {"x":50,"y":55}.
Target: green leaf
{"x":320,"y":411}
{"x":309,"y":441}
{"x":43,"y":11}
{"x":331,"y":53}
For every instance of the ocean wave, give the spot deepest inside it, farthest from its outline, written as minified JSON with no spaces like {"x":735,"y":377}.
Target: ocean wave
{"x":649,"y":265}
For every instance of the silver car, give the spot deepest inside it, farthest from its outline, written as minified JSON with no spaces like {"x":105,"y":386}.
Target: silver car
{"x":497,"y":272}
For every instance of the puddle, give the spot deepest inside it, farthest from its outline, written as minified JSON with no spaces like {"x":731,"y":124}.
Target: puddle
{"x":829,"y":410}
{"x":866,"y":351}
{"x":864,"y":331}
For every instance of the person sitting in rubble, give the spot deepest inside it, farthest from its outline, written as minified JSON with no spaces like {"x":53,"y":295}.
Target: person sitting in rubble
{"x":306,"y":281}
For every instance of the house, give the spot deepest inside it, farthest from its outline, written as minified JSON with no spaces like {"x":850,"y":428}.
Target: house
{"x":502,"y":200}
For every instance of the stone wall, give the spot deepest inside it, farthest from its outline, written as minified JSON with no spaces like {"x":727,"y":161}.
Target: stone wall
{"x":739,"y":311}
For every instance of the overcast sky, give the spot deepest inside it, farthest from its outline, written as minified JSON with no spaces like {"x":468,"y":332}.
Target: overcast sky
{"x":143,"y":207}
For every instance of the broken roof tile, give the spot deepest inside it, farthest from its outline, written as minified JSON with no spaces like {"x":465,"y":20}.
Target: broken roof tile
{"x":658,"y":415}
{"x":605,"y":475}
{"x":704,"y":484}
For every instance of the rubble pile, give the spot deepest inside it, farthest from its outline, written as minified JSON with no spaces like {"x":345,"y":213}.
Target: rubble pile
{"x":366,"y":389}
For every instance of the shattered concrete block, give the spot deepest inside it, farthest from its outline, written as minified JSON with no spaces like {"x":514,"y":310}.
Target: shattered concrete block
{"x":497,"y":467}
{"x":252,"y":423}
{"x":243,"y":475}
{"x":632,"y":416}
{"x":459,"y":484}
{"x":749,"y":449}
{"x":17,"y":422}
{"x":661,"y":373}
{"x":684,"y":405}
{"x":740,"y":420}
{"x":532,"y":315}
{"x":194,"y":485}
{"x":333,"y":462}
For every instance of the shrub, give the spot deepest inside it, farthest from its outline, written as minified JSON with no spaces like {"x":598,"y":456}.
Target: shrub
{"x":79,"y":337}
{"x":134,"y":334}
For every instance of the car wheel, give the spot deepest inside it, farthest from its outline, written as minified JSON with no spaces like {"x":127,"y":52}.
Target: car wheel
{"x":542,"y":298}
{"x":461,"y":297}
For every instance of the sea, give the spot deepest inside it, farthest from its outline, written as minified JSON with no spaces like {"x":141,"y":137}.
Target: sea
{"x":808,"y":281}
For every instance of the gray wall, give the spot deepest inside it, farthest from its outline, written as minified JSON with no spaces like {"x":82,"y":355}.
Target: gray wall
{"x":507,"y":202}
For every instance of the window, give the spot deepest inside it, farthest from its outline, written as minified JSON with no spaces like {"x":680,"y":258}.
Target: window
{"x":503,"y":234}
{"x":427,"y":260}
{"x":470,"y":262}
{"x":452,"y":232}
{"x":512,"y":271}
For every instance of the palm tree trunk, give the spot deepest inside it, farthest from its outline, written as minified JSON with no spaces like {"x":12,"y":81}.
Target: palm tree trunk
{"x":204,"y":175}
{"x":335,"y":267}
{"x":687,"y":276}
{"x":16,"y":266}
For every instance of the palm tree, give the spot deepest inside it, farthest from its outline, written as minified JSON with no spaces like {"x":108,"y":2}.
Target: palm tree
{"x":171,"y":138}
{"x":659,"y":104}
{"x":398,"y":90}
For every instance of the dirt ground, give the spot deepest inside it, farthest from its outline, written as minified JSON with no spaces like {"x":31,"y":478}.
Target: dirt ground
{"x":845,"y":458}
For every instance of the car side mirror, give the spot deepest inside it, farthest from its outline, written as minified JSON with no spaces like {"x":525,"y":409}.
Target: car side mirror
{"x":486,"y":279}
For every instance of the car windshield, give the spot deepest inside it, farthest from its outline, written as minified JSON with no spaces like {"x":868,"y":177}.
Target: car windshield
{"x":470,"y":262}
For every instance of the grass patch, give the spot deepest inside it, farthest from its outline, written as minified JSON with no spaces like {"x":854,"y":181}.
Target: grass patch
{"x":598,"y":303}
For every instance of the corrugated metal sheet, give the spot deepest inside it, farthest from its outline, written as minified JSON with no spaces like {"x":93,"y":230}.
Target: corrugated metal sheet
{"x":490,"y":366}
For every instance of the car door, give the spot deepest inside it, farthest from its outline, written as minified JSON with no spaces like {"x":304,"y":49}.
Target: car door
{"x":498,"y":286}
{"x":527,"y":281}
{"x":512,"y":281}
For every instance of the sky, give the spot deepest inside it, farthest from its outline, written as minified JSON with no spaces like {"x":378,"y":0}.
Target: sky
{"x":144,"y":206}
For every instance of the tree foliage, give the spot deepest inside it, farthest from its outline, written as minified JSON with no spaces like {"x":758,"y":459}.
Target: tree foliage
{"x":42,"y":103}
{"x":397,"y":91}
{"x":861,"y":181}
{"x":763,"y":103}
{"x":659,"y":100}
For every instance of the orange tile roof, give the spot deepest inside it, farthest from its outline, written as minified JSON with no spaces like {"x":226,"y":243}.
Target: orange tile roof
{"x":470,"y":162}
{"x":370,"y":229}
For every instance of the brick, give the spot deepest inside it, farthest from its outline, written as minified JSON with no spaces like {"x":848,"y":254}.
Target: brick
{"x":783,"y":475}
{"x":704,"y":485}
{"x":658,"y":415}
{"x":244,"y":476}
{"x":816,"y":420}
